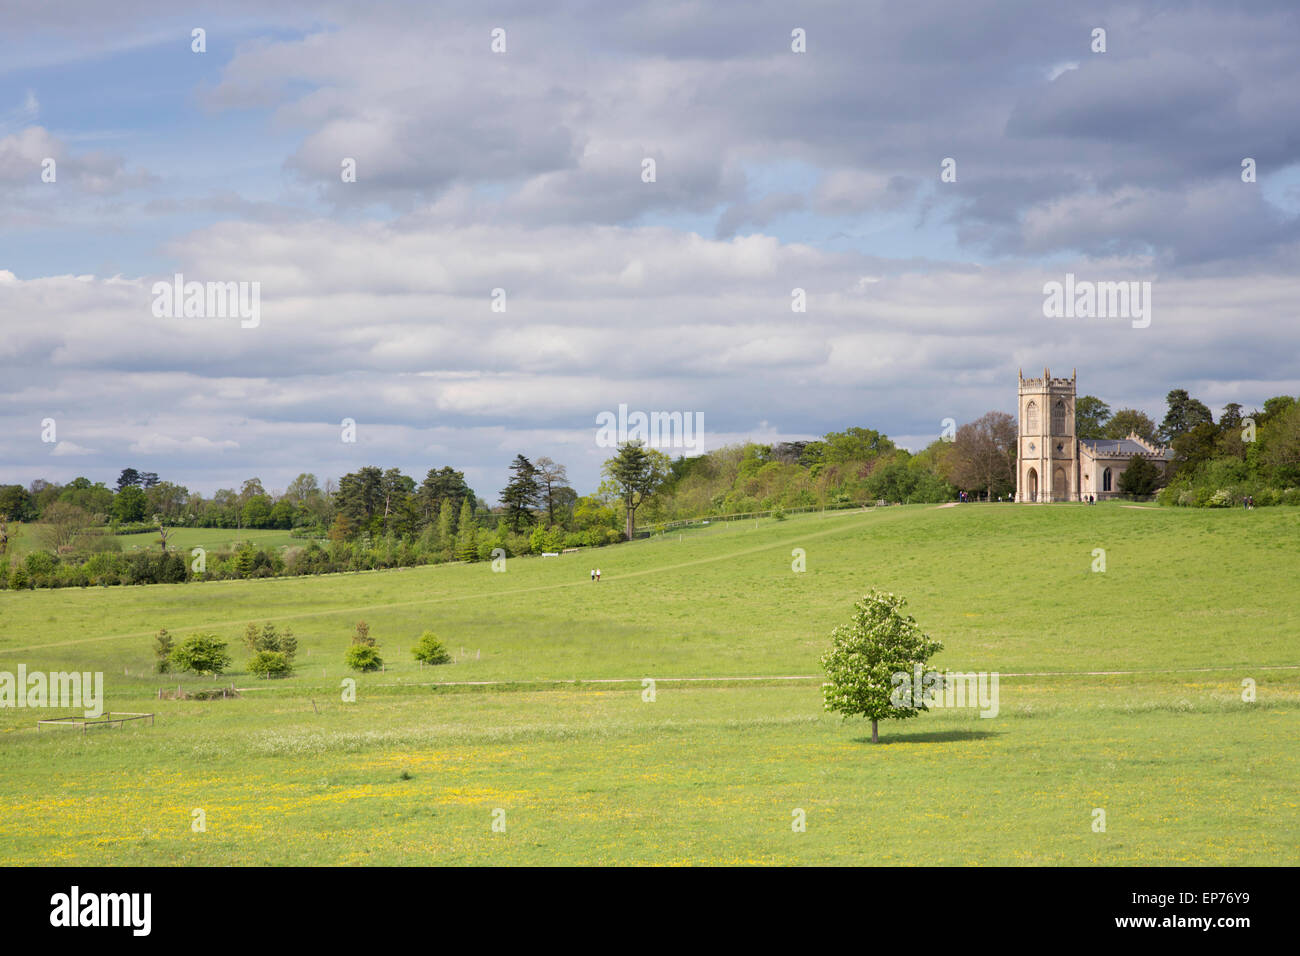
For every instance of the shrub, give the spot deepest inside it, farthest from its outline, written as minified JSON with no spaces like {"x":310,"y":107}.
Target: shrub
{"x":430,"y":650}
{"x":270,"y":664}
{"x":202,"y":654}
{"x":1221,"y":499}
{"x":40,"y":562}
{"x":244,"y":559}
{"x":163,"y":647}
{"x":364,"y":657}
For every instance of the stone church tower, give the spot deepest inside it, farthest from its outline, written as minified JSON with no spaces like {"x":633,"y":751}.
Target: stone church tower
{"x":1047,"y":454}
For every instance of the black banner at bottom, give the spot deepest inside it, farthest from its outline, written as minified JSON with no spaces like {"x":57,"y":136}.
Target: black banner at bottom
{"x":333,"y":906}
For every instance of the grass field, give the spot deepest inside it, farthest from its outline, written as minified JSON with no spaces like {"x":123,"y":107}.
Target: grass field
{"x":25,"y":537}
{"x":1191,"y":603}
{"x":213,"y":539}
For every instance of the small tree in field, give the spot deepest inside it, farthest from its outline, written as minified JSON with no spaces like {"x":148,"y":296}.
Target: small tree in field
{"x":270,"y":664}
{"x":363,"y":657}
{"x":163,"y":647}
{"x":363,"y":653}
{"x":273,"y":652}
{"x":288,"y":644}
{"x":202,"y":654}
{"x":878,"y":643}
{"x":430,"y":650}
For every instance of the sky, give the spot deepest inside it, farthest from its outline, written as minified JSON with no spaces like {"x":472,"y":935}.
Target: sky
{"x":794,"y":147}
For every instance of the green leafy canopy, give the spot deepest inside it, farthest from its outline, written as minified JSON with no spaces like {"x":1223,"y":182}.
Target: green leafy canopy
{"x":879,"y":642}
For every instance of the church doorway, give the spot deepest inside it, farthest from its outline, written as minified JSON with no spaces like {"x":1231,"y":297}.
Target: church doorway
{"x":1058,"y":485}
{"x":1032,"y":480}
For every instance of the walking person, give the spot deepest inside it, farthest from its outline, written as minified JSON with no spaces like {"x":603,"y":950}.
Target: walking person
{"x":598,"y":575}
{"x":593,"y":574}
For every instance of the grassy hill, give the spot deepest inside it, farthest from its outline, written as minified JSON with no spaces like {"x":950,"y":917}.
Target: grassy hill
{"x":1120,"y":690}
{"x":25,"y":537}
{"x":214,"y":539}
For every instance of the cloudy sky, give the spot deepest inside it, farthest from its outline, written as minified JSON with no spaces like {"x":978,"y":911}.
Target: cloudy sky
{"x":524,"y":171}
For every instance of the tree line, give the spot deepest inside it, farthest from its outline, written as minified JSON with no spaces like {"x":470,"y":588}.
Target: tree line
{"x":376,"y":517}
{"x":373,"y":518}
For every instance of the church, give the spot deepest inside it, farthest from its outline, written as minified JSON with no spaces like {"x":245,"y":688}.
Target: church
{"x":1052,"y":464}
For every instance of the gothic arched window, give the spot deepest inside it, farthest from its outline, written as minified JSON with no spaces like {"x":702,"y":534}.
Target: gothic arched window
{"x":1031,"y":417}
{"x":1058,"y":417}
{"x":1105,"y":480}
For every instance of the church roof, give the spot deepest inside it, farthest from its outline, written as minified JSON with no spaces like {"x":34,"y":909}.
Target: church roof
{"x":1123,"y":448}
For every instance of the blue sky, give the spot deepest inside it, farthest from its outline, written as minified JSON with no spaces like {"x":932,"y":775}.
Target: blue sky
{"x":522,"y":171}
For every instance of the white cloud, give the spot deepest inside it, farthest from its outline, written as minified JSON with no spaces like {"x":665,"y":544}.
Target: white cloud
{"x":523,"y":172}
{"x":391,"y":326}
{"x":196,"y":444}
{"x":1060,"y":68}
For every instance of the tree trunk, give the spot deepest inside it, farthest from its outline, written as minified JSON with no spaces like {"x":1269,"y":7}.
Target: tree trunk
{"x":875,"y":736}
{"x":631,"y":522}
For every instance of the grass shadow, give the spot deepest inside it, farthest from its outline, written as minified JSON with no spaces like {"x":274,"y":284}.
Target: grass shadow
{"x":930,"y":737}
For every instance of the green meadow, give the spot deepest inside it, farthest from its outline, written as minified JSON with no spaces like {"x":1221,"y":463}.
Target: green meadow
{"x":26,"y":537}
{"x":213,"y":539}
{"x":1120,"y":691}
